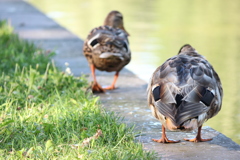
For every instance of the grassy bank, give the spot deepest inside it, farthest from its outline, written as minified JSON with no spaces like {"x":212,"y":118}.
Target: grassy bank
{"x":47,"y":114}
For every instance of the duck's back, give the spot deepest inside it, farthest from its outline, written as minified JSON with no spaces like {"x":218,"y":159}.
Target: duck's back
{"x":107,"y":48}
{"x":185,"y":91}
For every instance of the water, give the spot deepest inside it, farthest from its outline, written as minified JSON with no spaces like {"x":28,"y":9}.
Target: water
{"x":159,"y":28}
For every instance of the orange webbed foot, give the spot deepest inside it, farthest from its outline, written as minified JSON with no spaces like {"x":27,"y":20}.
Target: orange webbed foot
{"x":165,"y":140}
{"x":110,"y":88}
{"x":96,"y":88}
{"x":197,"y":140}
{"x":198,"y":137}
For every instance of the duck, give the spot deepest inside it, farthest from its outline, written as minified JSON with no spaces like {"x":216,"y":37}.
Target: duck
{"x":183,"y":93}
{"x":106,"y":48}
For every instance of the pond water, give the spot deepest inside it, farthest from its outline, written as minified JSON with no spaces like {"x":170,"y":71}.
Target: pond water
{"x":158,"y":28}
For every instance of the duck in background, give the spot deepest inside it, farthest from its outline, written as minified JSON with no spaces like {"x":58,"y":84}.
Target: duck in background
{"x":107,"y":49}
{"x":184,"y":92}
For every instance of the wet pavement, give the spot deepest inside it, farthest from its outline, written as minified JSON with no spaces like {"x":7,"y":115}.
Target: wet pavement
{"x":129,"y":100}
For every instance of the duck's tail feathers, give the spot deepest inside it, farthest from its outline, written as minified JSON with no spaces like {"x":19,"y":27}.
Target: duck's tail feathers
{"x":106,"y":55}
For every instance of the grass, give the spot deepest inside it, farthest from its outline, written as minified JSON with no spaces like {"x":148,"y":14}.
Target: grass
{"x":48,"y":114}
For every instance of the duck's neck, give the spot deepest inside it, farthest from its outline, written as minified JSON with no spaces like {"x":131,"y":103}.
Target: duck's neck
{"x":115,"y":22}
{"x":191,"y":53}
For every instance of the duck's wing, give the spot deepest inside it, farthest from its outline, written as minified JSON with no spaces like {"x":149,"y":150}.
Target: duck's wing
{"x":107,"y":42}
{"x":162,"y":91}
{"x":202,"y":92}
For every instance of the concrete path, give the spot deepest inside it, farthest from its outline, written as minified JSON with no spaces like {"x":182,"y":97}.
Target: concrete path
{"x":129,"y":100}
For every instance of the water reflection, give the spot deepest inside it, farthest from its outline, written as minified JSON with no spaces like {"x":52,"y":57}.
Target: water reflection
{"x":159,"y":28}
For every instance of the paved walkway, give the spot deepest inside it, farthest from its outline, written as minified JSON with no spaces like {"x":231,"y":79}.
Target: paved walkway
{"x":128,"y":100}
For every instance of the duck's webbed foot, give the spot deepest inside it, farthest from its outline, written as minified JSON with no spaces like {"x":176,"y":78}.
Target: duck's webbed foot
{"x":165,"y":140}
{"x":112,"y":87}
{"x":197,"y":139}
{"x":96,"y":88}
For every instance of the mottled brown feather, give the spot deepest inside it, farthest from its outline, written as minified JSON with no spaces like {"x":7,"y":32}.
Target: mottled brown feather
{"x":107,"y":46}
{"x":188,"y":74}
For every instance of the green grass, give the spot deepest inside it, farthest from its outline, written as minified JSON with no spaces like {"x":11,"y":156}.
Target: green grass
{"x":48,"y":114}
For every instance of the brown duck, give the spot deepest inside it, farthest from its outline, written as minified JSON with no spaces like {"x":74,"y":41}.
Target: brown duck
{"x":184,"y":92}
{"x":107,"y":48}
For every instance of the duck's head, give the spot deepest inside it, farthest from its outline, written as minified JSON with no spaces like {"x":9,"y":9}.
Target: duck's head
{"x":186,"y":48}
{"x":189,"y":50}
{"x":115,"y":20}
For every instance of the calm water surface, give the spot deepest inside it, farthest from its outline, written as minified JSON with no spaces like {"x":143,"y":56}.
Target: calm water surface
{"x":159,"y":28}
